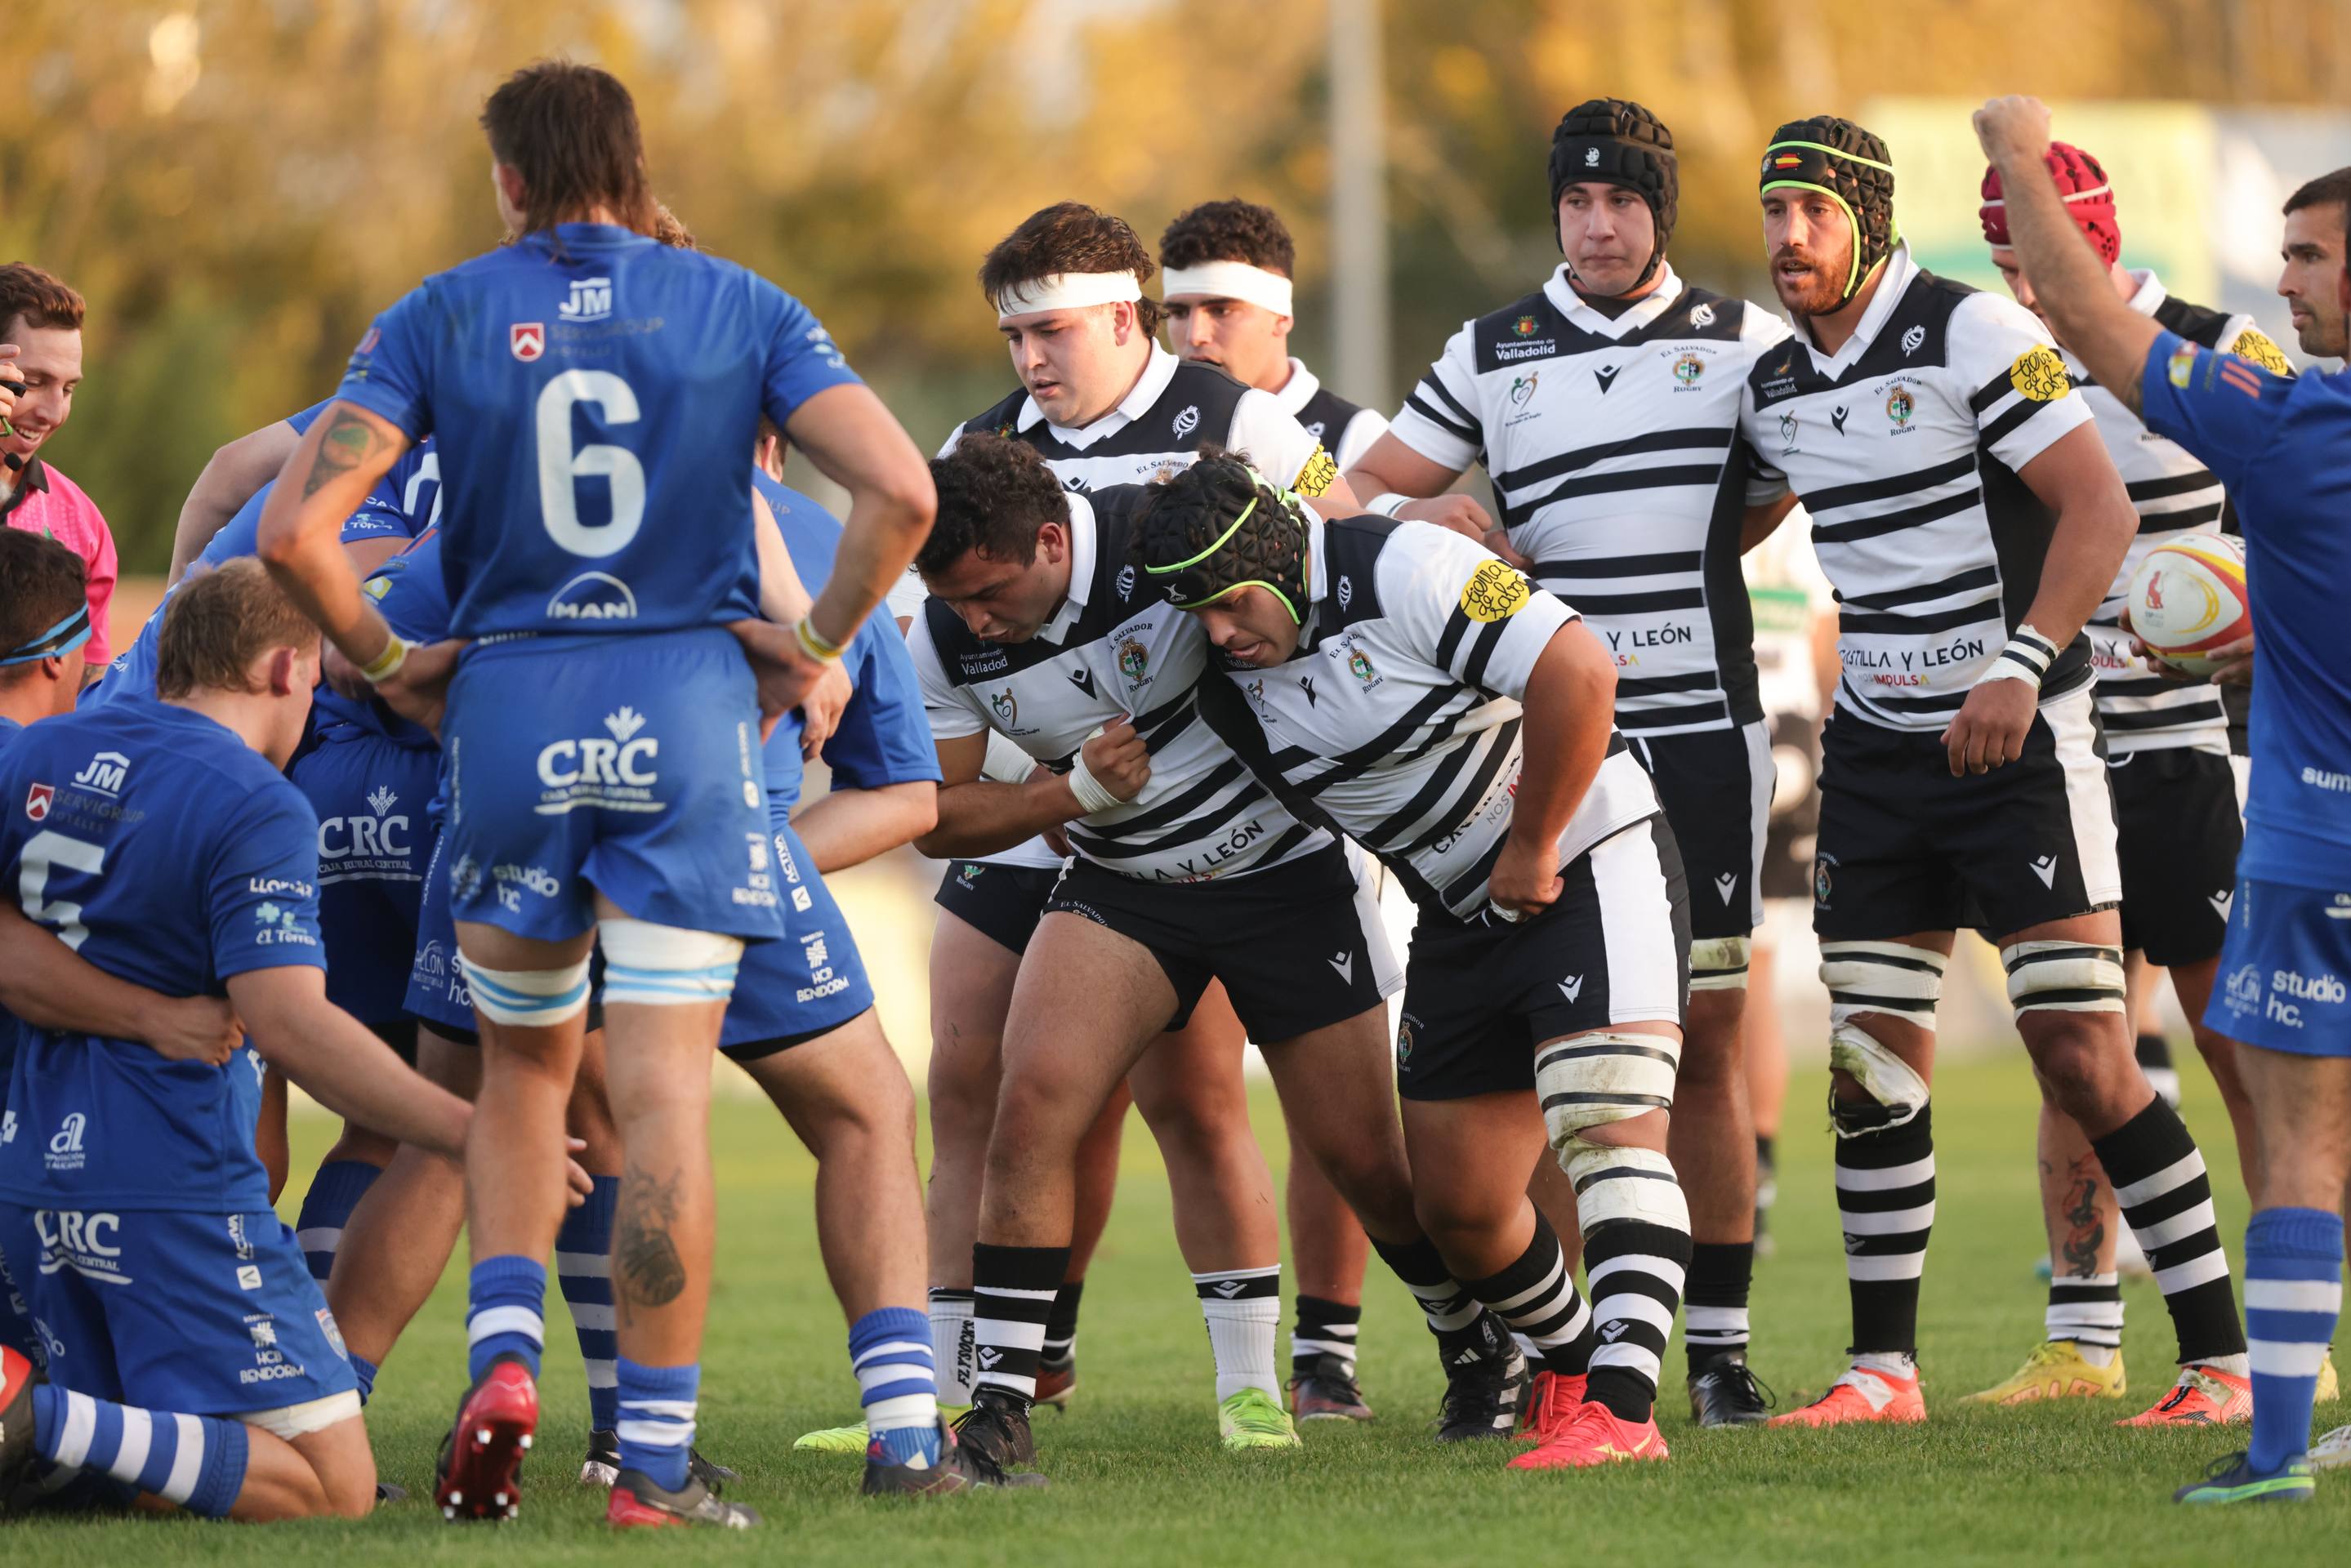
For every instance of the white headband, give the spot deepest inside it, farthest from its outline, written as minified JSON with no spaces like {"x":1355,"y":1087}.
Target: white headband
{"x":1229,"y":280}
{"x":1067,"y":291}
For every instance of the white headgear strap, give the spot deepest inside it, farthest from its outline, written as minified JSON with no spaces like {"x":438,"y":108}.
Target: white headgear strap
{"x":1229,"y":280}
{"x":1067,"y":291}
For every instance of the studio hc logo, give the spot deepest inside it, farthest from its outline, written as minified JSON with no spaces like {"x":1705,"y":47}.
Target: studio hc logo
{"x":104,"y":774}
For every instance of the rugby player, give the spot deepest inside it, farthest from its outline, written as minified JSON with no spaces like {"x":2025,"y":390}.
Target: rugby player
{"x":2175,"y":798}
{"x":44,"y":627}
{"x":803,"y":1024}
{"x":189,"y":1355}
{"x":1227,"y":297}
{"x":600,"y":727}
{"x":1102,"y":403}
{"x":2282,"y":447}
{"x":1965,"y":509}
{"x":1604,"y":407}
{"x":1412,"y":689}
{"x":1185,"y":872}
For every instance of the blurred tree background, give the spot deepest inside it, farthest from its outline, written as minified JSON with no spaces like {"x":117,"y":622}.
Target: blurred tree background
{"x":238,"y":185}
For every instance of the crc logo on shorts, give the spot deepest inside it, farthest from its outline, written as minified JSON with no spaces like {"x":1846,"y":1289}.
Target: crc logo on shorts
{"x":376,"y":846}
{"x":89,"y":1244}
{"x":65,"y":1151}
{"x":594,"y":596}
{"x":613,"y":770}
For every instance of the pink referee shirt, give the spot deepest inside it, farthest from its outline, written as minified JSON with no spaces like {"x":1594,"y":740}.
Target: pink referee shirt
{"x":45,"y":502}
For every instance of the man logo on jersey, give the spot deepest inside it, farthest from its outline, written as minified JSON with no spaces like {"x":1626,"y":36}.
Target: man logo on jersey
{"x":1900,"y":406}
{"x":37,"y":801}
{"x":527,"y":339}
{"x":1494,"y":592}
{"x":2039,"y":376}
{"x":594,"y":596}
{"x":1134,"y":661}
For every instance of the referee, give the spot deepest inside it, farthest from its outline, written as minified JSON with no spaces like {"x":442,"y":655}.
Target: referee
{"x":2283,"y":447}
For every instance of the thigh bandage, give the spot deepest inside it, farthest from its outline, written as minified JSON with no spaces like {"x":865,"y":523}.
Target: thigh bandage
{"x":1719,"y":964}
{"x":666,"y":966}
{"x":1586,"y":1081}
{"x":292,"y":1421}
{"x":2063,"y":977}
{"x":530,"y":998}
{"x":1882,"y":977}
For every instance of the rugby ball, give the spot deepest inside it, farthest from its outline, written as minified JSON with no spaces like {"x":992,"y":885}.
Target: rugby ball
{"x":2188,"y":598}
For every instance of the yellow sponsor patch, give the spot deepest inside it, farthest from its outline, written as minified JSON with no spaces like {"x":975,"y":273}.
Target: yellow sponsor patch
{"x":376,"y":588}
{"x":2040,"y":376}
{"x":2253,"y":345}
{"x":1494,"y":592}
{"x":2181,"y":366}
{"x":1315,"y":478}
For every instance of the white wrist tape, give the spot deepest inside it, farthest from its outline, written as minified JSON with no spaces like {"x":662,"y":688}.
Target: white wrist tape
{"x":1007,"y":762}
{"x":1387,"y":503}
{"x":1090,"y":791}
{"x":1229,"y":280}
{"x":2027,"y":658}
{"x":1067,"y":291}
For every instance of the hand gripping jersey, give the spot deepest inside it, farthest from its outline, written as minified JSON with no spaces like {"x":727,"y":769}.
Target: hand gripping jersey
{"x":1106,"y":653}
{"x":1159,"y":427}
{"x":1612,"y":444}
{"x":593,"y":393}
{"x":1399,"y":715}
{"x":167,"y":852}
{"x":1904,"y":447}
{"x":2283,"y":447}
{"x":2174,"y":494}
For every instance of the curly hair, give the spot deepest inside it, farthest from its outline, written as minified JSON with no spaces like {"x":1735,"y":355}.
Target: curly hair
{"x":994,"y":493}
{"x":1230,"y":230}
{"x":1069,"y":236}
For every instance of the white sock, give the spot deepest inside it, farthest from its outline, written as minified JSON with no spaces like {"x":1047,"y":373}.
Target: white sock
{"x":2238,"y":1365}
{"x":1243,"y":1308}
{"x":953,"y":1348}
{"x":1893,"y":1363}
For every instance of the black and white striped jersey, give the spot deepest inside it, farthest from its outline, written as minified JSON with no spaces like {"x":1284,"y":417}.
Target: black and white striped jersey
{"x":1159,"y":427}
{"x":1905,"y":446}
{"x":2175,"y":494}
{"x":1398,"y":716}
{"x":1347,"y":430}
{"x":1613,"y":445}
{"x":1108,"y":653}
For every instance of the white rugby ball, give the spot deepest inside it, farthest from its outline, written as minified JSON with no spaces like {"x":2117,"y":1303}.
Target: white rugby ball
{"x":2187,"y":597}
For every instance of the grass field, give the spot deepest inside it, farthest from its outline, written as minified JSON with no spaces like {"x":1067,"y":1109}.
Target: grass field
{"x":1139,"y":1479}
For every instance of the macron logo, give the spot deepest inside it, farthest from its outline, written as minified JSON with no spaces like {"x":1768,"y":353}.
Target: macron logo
{"x":1606,"y":376}
{"x":1572,"y":987}
{"x":1345,"y":964}
{"x":1726,"y":884}
{"x":2045,"y":868}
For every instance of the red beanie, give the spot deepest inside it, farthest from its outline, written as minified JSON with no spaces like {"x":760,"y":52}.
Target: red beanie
{"x":2089,"y":200}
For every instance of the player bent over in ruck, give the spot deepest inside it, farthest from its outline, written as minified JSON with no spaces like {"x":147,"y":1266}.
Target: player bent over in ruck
{"x":1411,"y":687}
{"x":1970,"y":520}
{"x":1185,"y":872}
{"x":189,"y":1355}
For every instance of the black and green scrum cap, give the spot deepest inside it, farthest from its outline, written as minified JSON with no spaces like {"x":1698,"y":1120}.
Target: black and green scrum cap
{"x":1850,"y":166}
{"x":1220,"y":527}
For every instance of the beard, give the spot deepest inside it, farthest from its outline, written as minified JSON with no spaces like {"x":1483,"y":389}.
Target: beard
{"x":1820,"y":292}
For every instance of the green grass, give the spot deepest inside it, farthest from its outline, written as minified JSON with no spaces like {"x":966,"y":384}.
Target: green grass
{"x":1138,"y":1478}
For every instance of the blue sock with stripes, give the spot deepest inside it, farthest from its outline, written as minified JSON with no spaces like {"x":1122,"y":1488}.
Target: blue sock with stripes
{"x":656,"y":1420}
{"x":505,"y":1303}
{"x":196,"y":1462}
{"x":2294,"y":1293}
{"x":334,"y":1192}
{"x":890,"y":1350}
{"x":583,"y":1268}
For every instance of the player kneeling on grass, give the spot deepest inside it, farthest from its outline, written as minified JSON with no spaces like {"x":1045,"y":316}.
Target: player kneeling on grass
{"x":189,"y":1355}
{"x":1413,"y":689}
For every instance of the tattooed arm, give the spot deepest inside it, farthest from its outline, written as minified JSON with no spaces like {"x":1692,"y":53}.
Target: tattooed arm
{"x":328,"y":478}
